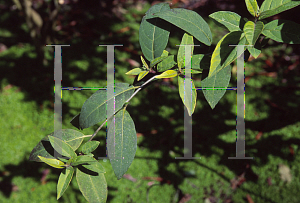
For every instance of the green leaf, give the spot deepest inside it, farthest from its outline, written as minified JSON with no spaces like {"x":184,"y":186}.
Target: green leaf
{"x":255,"y":50}
{"x":157,"y":60}
{"x":189,"y":21}
{"x":191,"y":102}
{"x":200,"y":62}
{"x":283,"y":31}
{"x":64,"y":181}
{"x":219,"y":80}
{"x":44,"y":148}
{"x":186,"y":40}
{"x":193,"y":71}
{"x":168,"y":74}
{"x":273,"y":7}
{"x":142,"y":74}
{"x":84,"y":159}
{"x":224,"y":54}
{"x":93,"y":110}
{"x":92,"y":184}
{"x":90,"y":146}
{"x":229,"y":19}
{"x":154,"y":32}
{"x":166,"y":64}
{"x":135,"y":71}
{"x":252,"y":31}
{"x":52,"y":162}
{"x":252,"y":7}
{"x":62,"y":147}
{"x":121,"y":143}
{"x":144,"y":63}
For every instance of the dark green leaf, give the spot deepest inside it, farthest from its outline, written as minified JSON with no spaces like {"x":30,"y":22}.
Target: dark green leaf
{"x":157,"y":60}
{"x":90,"y":146}
{"x":189,"y":21}
{"x":154,"y":32}
{"x":92,"y":184}
{"x":224,"y":54}
{"x":229,"y":19}
{"x":121,"y":143}
{"x":93,"y":110}
{"x":166,"y":64}
{"x":273,"y":7}
{"x":191,"y":100}
{"x":62,"y":147}
{"x":283,"y":31}
{"x":64,"y":181}
{"x":83,"y":159}
{"x":219,"y":80}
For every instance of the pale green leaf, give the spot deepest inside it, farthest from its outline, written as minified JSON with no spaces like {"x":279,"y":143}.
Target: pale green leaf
{"x":154,"y":32}
{"x":157,"y":60}
{"x":166,"y":64}
{"x":186,"y":40}
{"x":252,"y":7}
{"x":89,"y":146}
{"x":215,"y":83}
{"x":224,"y":54}
{"x":252,"y":31}
{"x":52,"y":162}
{"x":283,"y":31}
{"x":144,"y":63}
{"x":168,"y":74}
{"x":190,"y":21}
{"x":230,"y":20}
{"x":64,"y":180}
{"x":191,"y":100}
{"x":135,"y":71}
{"x":142,"y":74}
{"x":121,"y":142}
{"x":273,"y":7}
{"x":62,"y":147}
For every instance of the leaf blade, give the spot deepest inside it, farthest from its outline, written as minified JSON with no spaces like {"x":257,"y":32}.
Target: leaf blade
{"x":191,"y":102}
{"x":121,"y":134}
{"x":273,"y":7}
{"x":186,"y":40}
{"x":64,"y":181}
{"x":168,"y":74}
{"x":62,"y":147}
{"x":90,"y":147}
{"x":52,"y":162}
{"x":252,"y":7}
{"x":189,"y":21}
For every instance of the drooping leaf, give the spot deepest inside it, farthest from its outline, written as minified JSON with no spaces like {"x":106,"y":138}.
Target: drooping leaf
{"x":224,"y":54}
{"x":62,"y":147}
{"x":84,"y":159}
{"x":186,"y":40}
{"x":229,"y":19}
{"x":64,"y":181}
{"x":44,"y":148}
{"x":52,"y":162}
{"x":93,"y":110}
{"x":166,"y":64}
{"x":190,"y":103}
{"x":90,"y":146}
{"x":189,"y":21}
{"x":154,"y":32}
{"x":219,"y":80}
{"x":92,"y":184}
{"x":252,"y":31}
{"x":135,"y":71}
{"x":273,"y":7}
{"x":168,"y":74}
{"x":283,"y":31}
{"x":255,"y":50}
{"x":121,"y":143}
{"x":252,"y":7}
{"x":142,"y":75}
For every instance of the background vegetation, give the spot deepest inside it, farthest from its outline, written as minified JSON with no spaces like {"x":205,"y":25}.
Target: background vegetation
{"x":26,"y":111}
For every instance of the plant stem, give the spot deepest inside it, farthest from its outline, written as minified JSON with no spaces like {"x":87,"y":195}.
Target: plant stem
{"x":140,"y":88}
